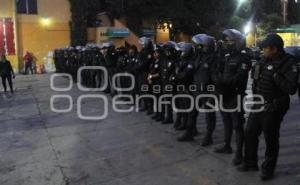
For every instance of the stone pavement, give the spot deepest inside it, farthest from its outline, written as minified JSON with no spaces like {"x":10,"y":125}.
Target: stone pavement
{"x":40,"y":147}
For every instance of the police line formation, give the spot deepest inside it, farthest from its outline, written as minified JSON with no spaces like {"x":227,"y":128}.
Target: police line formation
{"x":224,"y":64}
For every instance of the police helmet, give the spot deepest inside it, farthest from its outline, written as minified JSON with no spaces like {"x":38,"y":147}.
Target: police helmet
{"x":107,"y":45}
{"x":236,"y":36}
{"x":204,"y":40}
{"x":185,"y":48}
{"x":145,"y":42}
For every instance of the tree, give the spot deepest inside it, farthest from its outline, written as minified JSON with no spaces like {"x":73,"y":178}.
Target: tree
{"x":78,"y":23}
{"x":268,"y":24}
{"x":190,"y":17}
{"x":261,"y":8}
{"x":292,"y":10}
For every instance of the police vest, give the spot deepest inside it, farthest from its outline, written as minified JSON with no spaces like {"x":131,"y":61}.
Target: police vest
{"x":202,"y":70}
{"x":264,"y":82}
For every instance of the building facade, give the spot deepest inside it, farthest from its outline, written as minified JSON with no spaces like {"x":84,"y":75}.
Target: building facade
{"x":37,"y":26}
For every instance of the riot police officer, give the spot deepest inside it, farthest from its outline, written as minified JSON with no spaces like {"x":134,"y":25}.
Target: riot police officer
{"x":68,"y":60}
{"x":132,"y":61}
{"x":97,"y":60}
{"x":203,"y":67}
{"x":275,"y":78}
{"x":154,"y":79}
{"x":57,"y":57}
{"x":81,"y":63}
{"x":111,"y":57}
{"x":145,"y":59}
{"x":167,"y":68}
{"x":72,"y":60}
{"x":122,"y":55}
{"x":89,"y":74}
{"x":182,"y":79}
{"x":231,"y":77}
{"x":65,"y":60}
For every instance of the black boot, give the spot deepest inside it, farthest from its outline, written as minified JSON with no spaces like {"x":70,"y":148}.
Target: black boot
{"x":169,"y":115}
{"x":167,"y":121}
{"x":266,"y":175}
{"x":237,"y":160}
{"x":226,"y":149}
{"x":160,"y":117}
{"x":182,"y":126}
{"x":143,"y":109}
{"x":177,"y":122}
{"x":149,"y":106}
{"x":186,"y":137}
{"x":245,"y":168}
{"x":207,"y":141}
{"x":195,"y":132}
{"x":155,"y":116}
{"x":149,"y":112}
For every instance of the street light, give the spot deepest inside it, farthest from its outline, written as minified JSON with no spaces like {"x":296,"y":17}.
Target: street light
{"x":239,"y":4}
{"x":247,"y":28}
{"x":251,"y":27}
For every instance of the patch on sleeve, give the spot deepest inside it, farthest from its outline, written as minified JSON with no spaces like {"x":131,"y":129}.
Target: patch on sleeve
{"x":205,"y":65}
{"x":294,"y":68}
{"x":244,"y":66}
{"x":270,"y":67}
{"x":190,"y":66}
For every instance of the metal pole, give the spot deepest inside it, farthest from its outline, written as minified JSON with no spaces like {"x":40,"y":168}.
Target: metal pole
{"x":285,"y":3}
{"x":255,"y":35}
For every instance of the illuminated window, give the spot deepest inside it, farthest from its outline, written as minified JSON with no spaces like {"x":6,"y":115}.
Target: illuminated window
{"x":27,"y":6}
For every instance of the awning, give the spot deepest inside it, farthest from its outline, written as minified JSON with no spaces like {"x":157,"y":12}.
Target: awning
{"x":148,"y":32}
{"x":288,"y":30}
{"x":118,"y":32}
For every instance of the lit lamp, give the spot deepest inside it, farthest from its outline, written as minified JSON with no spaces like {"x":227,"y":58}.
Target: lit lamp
{"x":45,"y":21}
{"x":250,"y":27}
{"x":240,"y":3}
{"x":247,"y":28}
